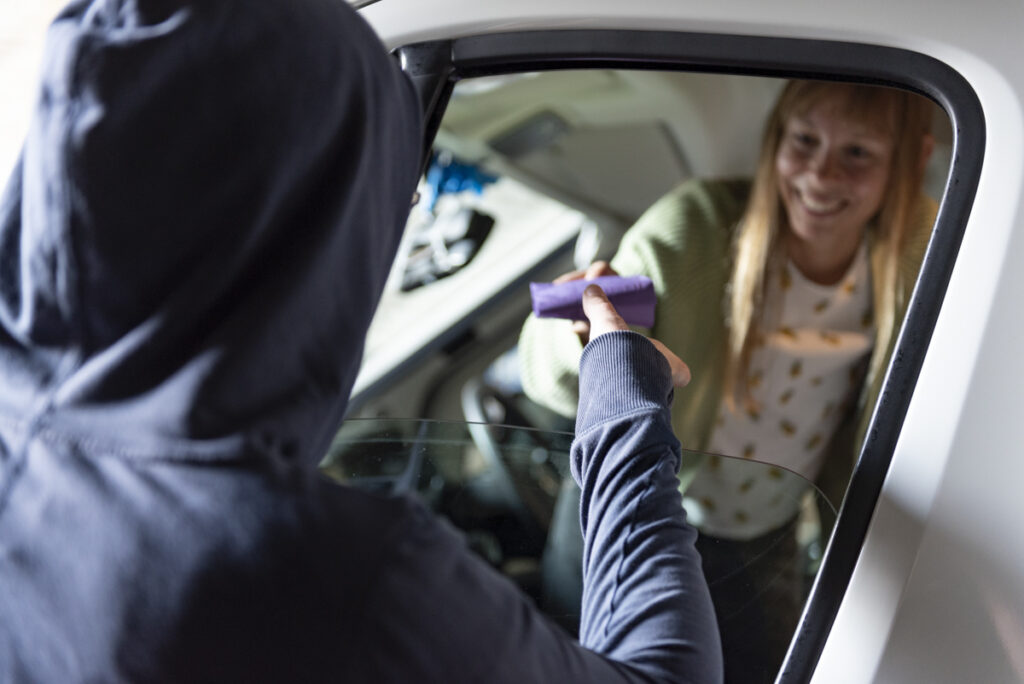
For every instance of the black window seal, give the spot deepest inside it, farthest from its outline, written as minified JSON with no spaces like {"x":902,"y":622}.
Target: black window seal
{"x":437,"y":65}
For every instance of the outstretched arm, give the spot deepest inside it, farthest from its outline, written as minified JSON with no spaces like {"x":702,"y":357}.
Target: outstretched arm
{"x":441,"y":614}
{"x":645,"y":600}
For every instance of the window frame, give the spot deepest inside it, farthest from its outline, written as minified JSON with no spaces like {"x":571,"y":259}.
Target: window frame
{"x":436,"y":66}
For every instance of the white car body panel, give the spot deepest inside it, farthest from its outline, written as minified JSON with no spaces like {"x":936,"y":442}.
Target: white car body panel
{"x":938,"y":592}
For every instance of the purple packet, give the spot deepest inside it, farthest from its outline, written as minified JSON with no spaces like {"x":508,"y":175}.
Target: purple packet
{"x":632,"y":296}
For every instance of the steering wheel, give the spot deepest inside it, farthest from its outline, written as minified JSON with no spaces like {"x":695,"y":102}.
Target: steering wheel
{"x":517,"y":480}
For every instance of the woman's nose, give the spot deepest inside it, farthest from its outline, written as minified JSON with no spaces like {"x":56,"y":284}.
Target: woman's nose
{"x":825,"y":165}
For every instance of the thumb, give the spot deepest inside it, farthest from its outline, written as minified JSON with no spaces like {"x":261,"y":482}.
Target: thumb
{"x":599,"y":311}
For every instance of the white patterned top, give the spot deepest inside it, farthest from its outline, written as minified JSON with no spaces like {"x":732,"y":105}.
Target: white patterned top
{"x":803,"y":372}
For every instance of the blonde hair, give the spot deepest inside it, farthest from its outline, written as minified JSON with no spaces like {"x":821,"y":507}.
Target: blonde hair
{"x":906,"y":118}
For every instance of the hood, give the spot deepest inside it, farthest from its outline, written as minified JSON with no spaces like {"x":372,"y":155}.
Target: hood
{"x":200,"y":226}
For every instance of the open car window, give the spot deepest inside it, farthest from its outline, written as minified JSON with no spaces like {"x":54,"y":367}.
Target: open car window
{"x":533,"y":174}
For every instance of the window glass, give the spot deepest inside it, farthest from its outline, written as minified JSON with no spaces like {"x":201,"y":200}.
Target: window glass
{"x":510,"y":492}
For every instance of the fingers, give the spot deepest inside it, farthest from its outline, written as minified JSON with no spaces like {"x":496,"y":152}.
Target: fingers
{"x":604,"y":318}
{"x":571,"y":275}
{"x":595,"y":270}
{"x":599,"y":311}
{"x":598,"y":269}
{"x":582,"y":330}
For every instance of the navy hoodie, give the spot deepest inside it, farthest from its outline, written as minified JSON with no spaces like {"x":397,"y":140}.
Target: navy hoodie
{"x":191,"y":249}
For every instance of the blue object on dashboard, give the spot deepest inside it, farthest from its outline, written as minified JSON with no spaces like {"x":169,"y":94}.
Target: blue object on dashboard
{"x":447,"y":175}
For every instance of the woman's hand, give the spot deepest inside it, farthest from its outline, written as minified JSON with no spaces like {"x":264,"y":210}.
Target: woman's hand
{"x":604,"y":318}
{"x":595,"y":270}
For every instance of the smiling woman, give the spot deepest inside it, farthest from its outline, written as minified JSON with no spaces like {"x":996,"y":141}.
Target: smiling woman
{"x":846,"y":163}
{"x":811,"y":263}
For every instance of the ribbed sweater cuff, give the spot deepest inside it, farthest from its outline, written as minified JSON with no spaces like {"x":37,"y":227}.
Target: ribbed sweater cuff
{"x":621,"y":373}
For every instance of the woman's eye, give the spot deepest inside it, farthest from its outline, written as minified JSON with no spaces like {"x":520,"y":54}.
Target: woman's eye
{"x":804,"y":139}
{"x":858,"y":153}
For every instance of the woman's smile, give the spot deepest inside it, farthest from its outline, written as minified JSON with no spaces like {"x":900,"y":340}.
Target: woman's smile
{"x":821,"y":207}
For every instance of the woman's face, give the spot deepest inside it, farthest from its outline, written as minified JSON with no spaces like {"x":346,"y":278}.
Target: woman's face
{"x":832,"y":175}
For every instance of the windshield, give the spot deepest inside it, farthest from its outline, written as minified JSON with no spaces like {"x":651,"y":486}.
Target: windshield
{"x":510,"y":492}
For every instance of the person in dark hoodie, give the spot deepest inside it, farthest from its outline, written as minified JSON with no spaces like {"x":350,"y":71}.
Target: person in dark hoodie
{"x":191,"y":247}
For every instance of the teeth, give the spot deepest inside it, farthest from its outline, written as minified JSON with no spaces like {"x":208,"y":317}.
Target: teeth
{"x":820,"y":207}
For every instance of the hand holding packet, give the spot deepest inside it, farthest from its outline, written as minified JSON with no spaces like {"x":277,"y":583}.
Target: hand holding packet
{"x":632,"y":296}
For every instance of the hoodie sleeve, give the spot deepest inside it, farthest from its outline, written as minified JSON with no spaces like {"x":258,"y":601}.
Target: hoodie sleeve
{"x":645,"y":600}
{"x":646,"y":613}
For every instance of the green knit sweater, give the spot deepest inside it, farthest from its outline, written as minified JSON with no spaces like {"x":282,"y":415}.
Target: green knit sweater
{"x":683,"y":243}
